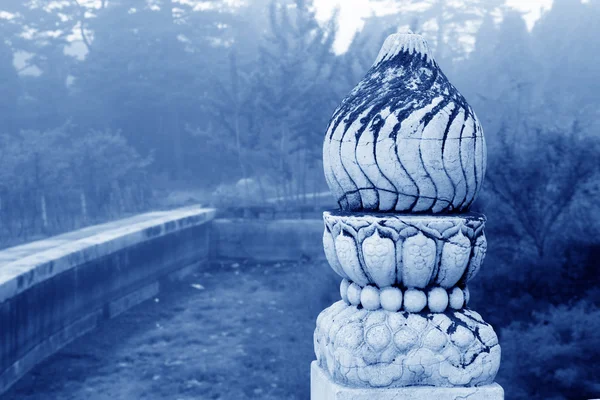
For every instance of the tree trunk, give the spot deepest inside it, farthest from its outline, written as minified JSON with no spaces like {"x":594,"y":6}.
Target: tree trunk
{"x":304,"y":177}
{"x":236,"y":122}
{"x":177,"y":145}
{"x":142,"y":198}
{"x":440,"y":32}
{"x":44,"y":213}
{"x":83,"y":202}
{"x":120,"y":196}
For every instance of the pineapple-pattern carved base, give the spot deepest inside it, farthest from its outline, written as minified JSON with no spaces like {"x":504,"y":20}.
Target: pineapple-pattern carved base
{"x":362,"y":348}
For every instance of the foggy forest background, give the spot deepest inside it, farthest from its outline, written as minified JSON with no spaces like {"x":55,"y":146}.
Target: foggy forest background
{"x":167,"y":102}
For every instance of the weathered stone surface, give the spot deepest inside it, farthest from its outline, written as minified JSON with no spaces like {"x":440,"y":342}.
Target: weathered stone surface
{"x":404,"y":154}
{"x":414,"y":251}
{"x":363,"y":348}
{"x":324,"y":388}
{"x":404,"y":139}
{"x":24,"y":266}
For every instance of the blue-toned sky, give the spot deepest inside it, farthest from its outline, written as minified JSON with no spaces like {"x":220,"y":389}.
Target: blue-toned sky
{"x":353,"y":13}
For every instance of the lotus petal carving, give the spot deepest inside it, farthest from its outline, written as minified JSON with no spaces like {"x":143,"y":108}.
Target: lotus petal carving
{"x":412,"y":251}
{"x":380,"y":259}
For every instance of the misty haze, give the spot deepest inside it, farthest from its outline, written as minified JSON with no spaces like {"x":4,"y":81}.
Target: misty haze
{"x":165,"y":166}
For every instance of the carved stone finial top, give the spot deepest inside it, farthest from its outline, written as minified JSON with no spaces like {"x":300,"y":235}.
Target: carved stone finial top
{"x":404,"y":139}
{"x":408,"y":42}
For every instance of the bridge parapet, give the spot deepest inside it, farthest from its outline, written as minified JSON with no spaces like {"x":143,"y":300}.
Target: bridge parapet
{"x":55,"y":290}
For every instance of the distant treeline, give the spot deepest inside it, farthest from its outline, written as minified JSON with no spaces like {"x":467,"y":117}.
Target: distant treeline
{"x":61,"y":179}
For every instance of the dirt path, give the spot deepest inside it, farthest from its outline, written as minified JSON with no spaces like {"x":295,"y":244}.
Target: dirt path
{"x":231,"y":332}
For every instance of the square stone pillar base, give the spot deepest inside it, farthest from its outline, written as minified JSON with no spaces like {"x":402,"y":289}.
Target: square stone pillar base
{"x":323,"y":388}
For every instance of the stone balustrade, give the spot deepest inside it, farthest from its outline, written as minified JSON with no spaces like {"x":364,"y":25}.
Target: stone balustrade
{"x":55,"y":290}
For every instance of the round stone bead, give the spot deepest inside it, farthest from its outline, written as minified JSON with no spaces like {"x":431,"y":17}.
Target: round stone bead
{"x":391,"y":298}
{"x":344,"y":290}
{"x":369,"y":298}
{"x":354,"y":294}
{"x":414,"y":300}
{"x":457,"y":298}
{"x":437,"y":300}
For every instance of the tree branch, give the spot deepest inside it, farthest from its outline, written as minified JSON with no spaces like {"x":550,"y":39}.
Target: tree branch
{"x":81,"y":23}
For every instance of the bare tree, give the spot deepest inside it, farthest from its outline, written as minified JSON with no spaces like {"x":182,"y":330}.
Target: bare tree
{"x":538,"y":175}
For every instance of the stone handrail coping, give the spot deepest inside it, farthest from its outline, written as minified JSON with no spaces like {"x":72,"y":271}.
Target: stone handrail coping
{"x":24,"y":266}
{"x":311,"y":196}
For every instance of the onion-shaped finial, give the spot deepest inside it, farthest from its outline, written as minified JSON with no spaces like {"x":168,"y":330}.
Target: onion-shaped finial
{"x":404,"y":139}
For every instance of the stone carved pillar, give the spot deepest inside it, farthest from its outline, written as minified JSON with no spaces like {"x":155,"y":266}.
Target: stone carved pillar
{"x":405,"y":156}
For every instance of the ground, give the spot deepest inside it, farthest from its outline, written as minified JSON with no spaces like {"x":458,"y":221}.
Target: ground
{"x":232,"y":331}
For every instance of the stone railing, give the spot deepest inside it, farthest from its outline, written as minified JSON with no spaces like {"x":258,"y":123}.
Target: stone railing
{"x":268,"y":240}
{"x":55,"y":290}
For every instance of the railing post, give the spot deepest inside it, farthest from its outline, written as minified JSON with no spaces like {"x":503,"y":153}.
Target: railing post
{"x":405,"y":156}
